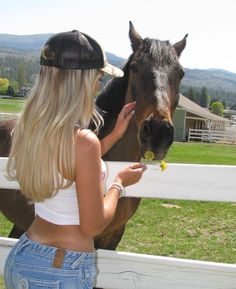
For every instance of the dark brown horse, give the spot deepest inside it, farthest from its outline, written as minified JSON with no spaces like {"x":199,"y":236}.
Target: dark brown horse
{"x":152,"y":76}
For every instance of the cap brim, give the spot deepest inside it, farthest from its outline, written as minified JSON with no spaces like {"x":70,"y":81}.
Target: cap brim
{"x":112,"y":70}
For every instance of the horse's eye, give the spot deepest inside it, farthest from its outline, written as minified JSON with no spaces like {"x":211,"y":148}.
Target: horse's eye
{"x":181,"y":73}
{"x":133,"y":67}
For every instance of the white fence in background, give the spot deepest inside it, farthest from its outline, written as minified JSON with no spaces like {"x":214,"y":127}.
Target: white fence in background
{"x":121,"y":270}
{"x":226,"y":136}
{"x":8,"y":115}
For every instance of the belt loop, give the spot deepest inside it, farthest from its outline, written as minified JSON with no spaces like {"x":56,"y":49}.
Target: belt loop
{"x":59,"y":258}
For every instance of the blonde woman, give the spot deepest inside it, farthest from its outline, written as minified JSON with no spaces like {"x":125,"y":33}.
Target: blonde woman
{"x":57,"y":162}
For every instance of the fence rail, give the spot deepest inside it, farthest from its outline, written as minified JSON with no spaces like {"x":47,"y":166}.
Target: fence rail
{"x":8,"y":115}
{"x":121,"y":270}
{"x":227,"y":136}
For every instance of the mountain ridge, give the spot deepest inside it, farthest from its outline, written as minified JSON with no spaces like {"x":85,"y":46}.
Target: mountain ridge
{"x":217,"y":80}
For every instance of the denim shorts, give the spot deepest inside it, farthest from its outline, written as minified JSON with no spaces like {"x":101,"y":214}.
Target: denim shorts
{"x":31,"y":265}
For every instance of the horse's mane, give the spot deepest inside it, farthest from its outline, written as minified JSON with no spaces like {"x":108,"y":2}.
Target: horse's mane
{"x":161,"y":51}
{"x":111,"y":99}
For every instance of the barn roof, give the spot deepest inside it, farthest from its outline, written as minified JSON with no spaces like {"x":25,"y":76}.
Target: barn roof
{"x":194,"y":108}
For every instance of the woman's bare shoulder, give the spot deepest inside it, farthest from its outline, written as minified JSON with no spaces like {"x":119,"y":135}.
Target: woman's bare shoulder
{"x":86,"y":140}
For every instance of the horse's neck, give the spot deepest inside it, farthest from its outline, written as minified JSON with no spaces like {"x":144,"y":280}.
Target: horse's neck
{"x":127,"y":148}
{"x":111,"y":100}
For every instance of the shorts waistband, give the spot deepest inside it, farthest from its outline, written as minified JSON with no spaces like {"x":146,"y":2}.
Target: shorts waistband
{"x":46,"y":251}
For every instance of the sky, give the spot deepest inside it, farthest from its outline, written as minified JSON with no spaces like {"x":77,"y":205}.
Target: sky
{"x":210,"y":24}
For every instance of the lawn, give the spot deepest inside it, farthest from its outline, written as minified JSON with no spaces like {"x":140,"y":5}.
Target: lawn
{"x":183,"y":229}
{"x":202,"y":153}
{"x":186,"y":229}
{"x":11,"y":105}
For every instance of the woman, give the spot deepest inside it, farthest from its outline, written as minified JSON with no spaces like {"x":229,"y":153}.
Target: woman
{"x":57,"y":162}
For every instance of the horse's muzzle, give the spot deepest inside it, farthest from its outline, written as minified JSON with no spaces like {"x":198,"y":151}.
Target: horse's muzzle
{"x":156,"y":135}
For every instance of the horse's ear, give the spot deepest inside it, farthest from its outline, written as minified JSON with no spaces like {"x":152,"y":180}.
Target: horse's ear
{"x":179,"y":46}
{"x":135,"y":38}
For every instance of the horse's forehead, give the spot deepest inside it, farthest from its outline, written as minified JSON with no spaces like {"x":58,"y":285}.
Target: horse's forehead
{"x":161,"y":79}
{"x":156,"y":53}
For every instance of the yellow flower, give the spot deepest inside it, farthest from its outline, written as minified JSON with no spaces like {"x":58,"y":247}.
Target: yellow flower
{"x":163,"y":165}
{"x":149,"y":155}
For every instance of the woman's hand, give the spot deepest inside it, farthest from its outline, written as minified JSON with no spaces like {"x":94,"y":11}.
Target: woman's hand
{"x":124,"y":118}
{"x":130,"y":174}
{"x":122,"y":123}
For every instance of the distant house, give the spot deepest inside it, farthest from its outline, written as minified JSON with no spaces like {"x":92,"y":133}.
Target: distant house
{"x":23,"y":91}
{"x":188,"y":115}
{"x":231,"y":115}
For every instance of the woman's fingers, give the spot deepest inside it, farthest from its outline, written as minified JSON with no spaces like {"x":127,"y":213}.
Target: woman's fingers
{"x":138,"y":166}
{"x":129,"y":109}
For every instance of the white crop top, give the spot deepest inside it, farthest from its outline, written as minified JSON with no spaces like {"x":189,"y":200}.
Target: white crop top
{"x":62,"y":209}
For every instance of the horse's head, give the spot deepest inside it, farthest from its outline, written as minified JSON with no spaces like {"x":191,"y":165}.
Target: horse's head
{"x":154,"y":79}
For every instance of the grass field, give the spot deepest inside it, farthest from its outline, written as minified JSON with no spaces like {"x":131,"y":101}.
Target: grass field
{"x":202,"y":153}
{"x":11,"y":105}
{"x":183,"y":229}
{"x":187,"y":229}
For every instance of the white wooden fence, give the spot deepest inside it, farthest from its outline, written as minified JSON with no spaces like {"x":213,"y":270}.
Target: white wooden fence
{"x":8,"y":115}
{"x":121,"y":270}
{"x":226,"y":136}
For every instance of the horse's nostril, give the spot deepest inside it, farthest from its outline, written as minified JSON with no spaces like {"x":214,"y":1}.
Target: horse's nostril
{"x":147,"y":127}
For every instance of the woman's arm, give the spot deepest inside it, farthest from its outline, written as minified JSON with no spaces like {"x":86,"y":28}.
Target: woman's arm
{"x":96,"y":211}
{"x":95,"y":215}
{"x":121,"y":126}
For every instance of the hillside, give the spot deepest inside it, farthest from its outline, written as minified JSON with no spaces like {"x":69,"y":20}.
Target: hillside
{"x":220,"y":84}
{"x":217,"y":79}
{"x":25,"y":49}
{"x":30,"y":45}
{"x":23,"y":42}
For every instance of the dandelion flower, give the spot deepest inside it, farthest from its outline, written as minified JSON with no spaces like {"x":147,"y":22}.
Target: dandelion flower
{"x":149,"y":155}
{"x":163,"y":165}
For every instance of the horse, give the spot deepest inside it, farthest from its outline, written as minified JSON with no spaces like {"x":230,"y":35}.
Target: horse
{"x":152,"y":76}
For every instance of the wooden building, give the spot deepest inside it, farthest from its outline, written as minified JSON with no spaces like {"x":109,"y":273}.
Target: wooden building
{"x":188,"y":115}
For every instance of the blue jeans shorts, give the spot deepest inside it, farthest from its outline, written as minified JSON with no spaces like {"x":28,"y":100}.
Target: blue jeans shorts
{"x":31,"y":265}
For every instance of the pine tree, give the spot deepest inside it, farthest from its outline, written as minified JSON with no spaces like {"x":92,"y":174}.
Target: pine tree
{"x":203,"y":99}
{"x":191,"y":94}
{"x":21,"y":76}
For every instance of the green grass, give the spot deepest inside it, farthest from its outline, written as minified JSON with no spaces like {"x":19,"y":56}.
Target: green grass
{"x":188,"y":229}
{"x":11,"y":105}
{"x":5,"y":226}
{"x":202,"y":153}
{"x":192,"y":230}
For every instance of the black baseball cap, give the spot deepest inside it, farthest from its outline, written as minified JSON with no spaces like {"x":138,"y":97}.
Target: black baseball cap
{"x":76,"y":50}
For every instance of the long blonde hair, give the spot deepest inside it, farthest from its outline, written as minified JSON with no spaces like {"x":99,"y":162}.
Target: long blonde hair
{"x":43,"y":140}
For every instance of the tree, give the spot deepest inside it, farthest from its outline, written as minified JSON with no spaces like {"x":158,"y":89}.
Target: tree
{"x":214,"y":99}
{"x":4,"y":83}
{"x":10,"y":91}
{"x":233,"y":106}
{"x":191,"y":94}
{"x":203,"y":99}
{"x":21,"y":76}
{"x":217,"y":108}
{"x":224,"y":103}
{"x":14,"y":84}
